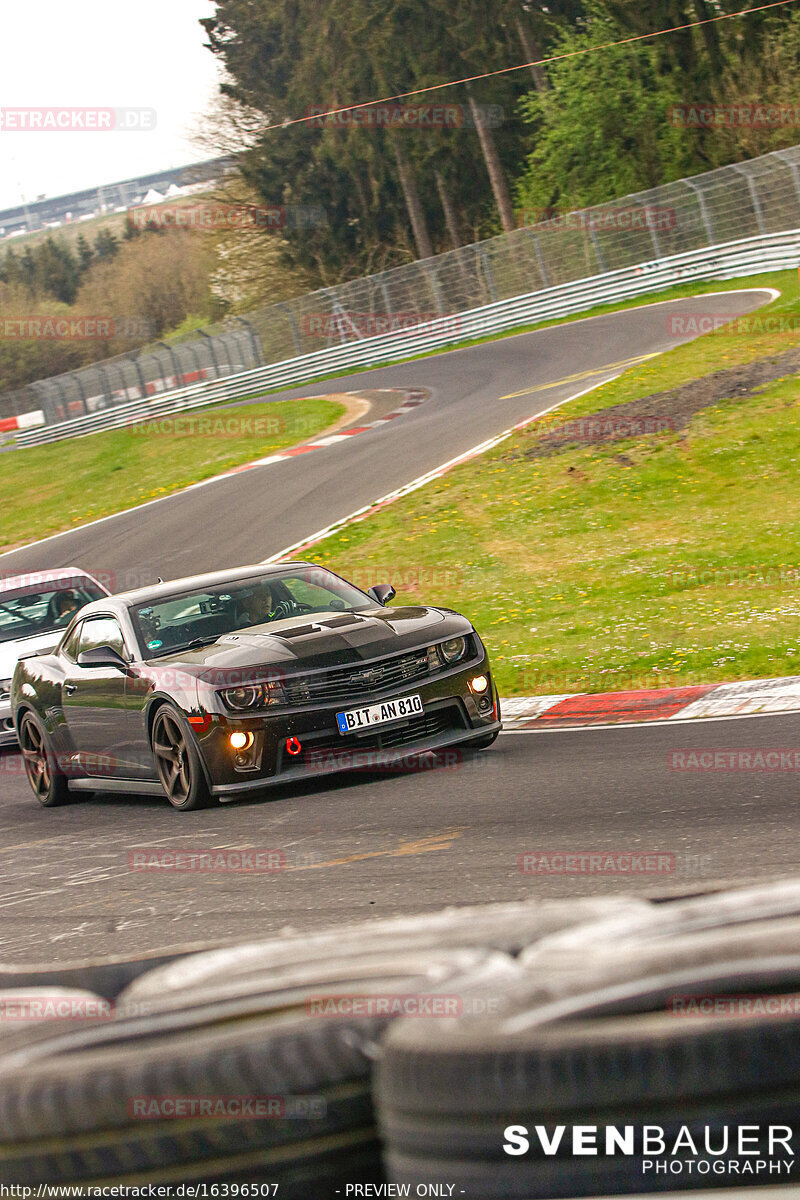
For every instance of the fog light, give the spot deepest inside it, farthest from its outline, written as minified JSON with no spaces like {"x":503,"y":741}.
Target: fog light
{"x":479,"y":684}
{"x":241,"y":740}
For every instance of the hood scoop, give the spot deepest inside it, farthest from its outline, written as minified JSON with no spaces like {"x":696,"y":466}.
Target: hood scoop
{"x":340,"y":622}
{"x":319,"y":626}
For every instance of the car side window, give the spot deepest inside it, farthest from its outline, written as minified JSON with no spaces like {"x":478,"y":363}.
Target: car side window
{"x":70,"y":647}
{"x":101,"y":631}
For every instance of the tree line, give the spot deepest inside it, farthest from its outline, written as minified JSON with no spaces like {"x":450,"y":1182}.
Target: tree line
{"x":134,"y":289}
{"x":574,"y":131}
{"x":369,"y":188}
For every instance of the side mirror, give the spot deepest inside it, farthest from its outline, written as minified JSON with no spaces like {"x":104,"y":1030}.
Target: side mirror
{"x":382,"y":592}
{"x":102,"y":656}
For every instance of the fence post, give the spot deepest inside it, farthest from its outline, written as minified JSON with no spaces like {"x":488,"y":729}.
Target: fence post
{"x":596,"y":244}
{"x":438,"y":299}
{"x":539,"y":258}
{"x":258,"y":349}
{"x":211,"y":350}
{"x":751,"y":183}
{"x":698,"y":191}
{"x":387,"y":299}
{"x":173,"y":360}
{"x":142,"y":383}
{"x":79,"y":384}
{"x":487,"y":270}
{"x":793,"y":167}
{"x":292,"y":325}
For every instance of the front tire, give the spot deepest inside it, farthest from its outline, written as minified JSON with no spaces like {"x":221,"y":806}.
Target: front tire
{"x":178,"y":762}
{"x":41,"y":766}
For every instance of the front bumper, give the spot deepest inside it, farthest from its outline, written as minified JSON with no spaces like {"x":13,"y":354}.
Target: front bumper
{"x":451,"y":716}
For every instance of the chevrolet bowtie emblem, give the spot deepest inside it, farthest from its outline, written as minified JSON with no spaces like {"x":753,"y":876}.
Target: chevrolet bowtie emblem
{"x":374,"y":675}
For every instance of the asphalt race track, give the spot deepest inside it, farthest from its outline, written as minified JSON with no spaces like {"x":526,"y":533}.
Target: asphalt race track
{"x":246,"y":518}
{"x":357,"y":846}
{"x":362,"y":845}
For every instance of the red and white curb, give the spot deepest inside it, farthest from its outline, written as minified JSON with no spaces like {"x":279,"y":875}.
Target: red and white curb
{"x":750,"y":697}
{"x":415,"y":398}
{"x":26,"y":420}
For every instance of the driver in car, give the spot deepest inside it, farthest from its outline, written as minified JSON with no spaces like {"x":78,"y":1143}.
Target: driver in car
{"x":261,"y":606}
{"x":65,"y":607}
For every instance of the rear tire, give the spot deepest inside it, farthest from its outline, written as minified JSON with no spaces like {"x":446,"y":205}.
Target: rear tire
{"x":41,"y":765}
{"x":177,"y":759}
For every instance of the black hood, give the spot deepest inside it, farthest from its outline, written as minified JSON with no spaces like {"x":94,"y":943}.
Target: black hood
{"x":322,"y":640}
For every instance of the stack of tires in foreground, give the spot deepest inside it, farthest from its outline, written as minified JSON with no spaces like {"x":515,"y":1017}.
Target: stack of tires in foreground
{"x":283,"y":1062}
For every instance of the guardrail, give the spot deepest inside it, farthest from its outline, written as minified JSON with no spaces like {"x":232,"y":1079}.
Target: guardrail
{"x":771,"y":252}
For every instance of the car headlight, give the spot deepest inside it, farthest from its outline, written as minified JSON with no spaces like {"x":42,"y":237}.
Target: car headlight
{"x":453,"y":650}
{"x":259,"y":695}
{"x":5,"y":687}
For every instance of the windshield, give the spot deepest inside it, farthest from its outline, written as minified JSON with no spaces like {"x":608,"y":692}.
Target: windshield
{"x":32,"y":612}
{"x":189,"y":619}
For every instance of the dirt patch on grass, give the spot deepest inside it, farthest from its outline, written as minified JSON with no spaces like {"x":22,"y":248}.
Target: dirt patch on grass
{"x":661,"y":411}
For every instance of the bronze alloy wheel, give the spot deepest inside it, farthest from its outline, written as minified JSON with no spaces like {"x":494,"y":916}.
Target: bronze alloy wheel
{"x":177,"y":762}
{"x":49,"y":787}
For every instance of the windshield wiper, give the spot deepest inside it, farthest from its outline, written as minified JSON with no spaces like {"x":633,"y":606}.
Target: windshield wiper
{"x":196,"y":643}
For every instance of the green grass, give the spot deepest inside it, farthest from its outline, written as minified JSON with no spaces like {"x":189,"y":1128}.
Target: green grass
{"x":583,"y":574}
{"x":46,"y":489}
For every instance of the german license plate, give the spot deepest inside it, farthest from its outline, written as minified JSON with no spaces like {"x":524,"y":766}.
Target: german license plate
{"x":356,"y":719}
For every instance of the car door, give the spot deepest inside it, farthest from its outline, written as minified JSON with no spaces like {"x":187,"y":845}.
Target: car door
{"x":95,"y":701}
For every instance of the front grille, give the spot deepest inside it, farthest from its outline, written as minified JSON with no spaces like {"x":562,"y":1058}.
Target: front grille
{"x":349,"y":683}
{"x":419,"y":729}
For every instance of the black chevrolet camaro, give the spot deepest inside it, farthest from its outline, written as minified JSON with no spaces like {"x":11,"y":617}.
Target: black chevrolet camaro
{"x":211,"y":687}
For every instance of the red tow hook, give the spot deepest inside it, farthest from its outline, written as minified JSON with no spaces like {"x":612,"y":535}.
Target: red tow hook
{"x":293,"y":746}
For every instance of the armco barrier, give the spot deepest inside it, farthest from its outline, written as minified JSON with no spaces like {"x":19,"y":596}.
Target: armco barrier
{"x":772,"y":252}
